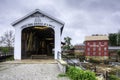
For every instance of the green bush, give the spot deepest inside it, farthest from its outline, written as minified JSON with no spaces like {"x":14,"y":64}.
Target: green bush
{"x":5,"y":50}
{"x":62,"y":75}
{"x":77,"y":74}
{"x":113,"y":77}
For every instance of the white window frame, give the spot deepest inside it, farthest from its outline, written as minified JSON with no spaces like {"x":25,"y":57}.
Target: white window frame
{"x":88,"y":49}
{"x":88,"y":53}
{"x":99,"y":53}
{"x":94,"y":48}
{"x":99,"y":48}
{"x":105,"y":43}
{"x":105,"y":49}
{"x":94,"y":43}
{"x":88,"y":43}
{"x":99,"y":43}
{"x":105,"y":53}
{"x":94,"y":53}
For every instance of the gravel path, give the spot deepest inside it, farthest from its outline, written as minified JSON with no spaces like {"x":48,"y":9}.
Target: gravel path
{"x":30,"y":72}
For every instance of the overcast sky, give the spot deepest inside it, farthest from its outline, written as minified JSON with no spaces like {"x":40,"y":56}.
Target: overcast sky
{"x":82,"y":17}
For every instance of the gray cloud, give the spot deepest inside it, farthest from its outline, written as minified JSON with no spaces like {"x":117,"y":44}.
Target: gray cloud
{"x":91,"y":5}
{"x":81,"y":17}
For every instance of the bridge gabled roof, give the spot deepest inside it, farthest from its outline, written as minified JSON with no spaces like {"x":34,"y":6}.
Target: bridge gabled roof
{"x":41,"y":12}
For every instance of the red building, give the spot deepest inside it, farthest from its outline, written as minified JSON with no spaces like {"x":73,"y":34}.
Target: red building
{"x":96,"y":47}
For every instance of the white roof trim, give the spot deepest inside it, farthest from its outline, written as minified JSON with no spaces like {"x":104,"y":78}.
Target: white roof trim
{"x":114,"y":47}
{"x":92,"y":38}
{"x":37,"y":10}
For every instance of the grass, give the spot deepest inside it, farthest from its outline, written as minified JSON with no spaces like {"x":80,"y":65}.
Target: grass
{"x":62,"y":75}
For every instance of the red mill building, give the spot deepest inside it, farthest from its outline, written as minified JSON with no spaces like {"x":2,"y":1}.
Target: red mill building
{"x":96,"y":47}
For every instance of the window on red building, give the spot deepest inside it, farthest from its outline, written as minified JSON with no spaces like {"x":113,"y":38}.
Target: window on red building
{"x":105,"y":43}
{"x":94,"y":49}
{"x":88,"y":49}
{"x":88,"y":53}
{"x":105,"y":48}
{"x":94,"y":43}
{"x":99,"y":43}
{"x":105,"y":53}
{"x":88,"y":43}
{"x":94,"y":53}
{"x":102,"y":43}
{"x":99,"y":48}
{"x":99,"y":53}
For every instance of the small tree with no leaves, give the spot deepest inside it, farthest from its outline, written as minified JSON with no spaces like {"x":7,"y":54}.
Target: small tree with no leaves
{"x":7,"y":39}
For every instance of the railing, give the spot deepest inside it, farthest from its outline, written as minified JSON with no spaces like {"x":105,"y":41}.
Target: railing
{"x":67,"y":59}
{"x":4,"y":56}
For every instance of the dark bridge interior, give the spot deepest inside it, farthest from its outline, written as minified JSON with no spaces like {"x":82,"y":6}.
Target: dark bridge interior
{"x":37,"y":40}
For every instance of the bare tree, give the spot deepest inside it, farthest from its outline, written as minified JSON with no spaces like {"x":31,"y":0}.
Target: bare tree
{"x":7,"y":39}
